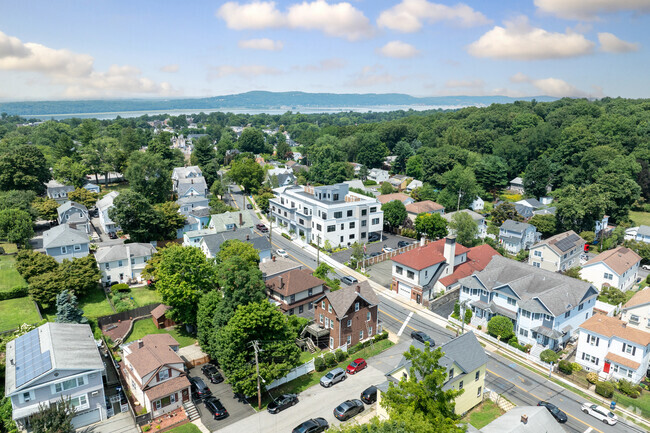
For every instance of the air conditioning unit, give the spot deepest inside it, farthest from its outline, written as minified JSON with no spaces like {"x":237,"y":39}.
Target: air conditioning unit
{"x":94,"y":393}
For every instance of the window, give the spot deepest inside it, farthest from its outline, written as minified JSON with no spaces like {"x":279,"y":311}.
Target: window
{"x":64,"y":250}
{"x":567,"y":314}
{"x":608,"y":276}
{"x":512,"y":301}
{"x":321,"y":318}
{"x":335,"y":197}
{"x":451,"y":373}
{"x":368,"y":316}
{"x":77,"y":247}
{"x":69,"y":384}
{"x":537,"y":264}
{"x":349,"y":323}
{"x":478,"y":392}
{"x":460,"y":385}
{"x":537,"y":254}
{"x":477,"y":376}
{"x":580,"y":307}
{"x":329,"y":308}
{"x":356,"y":306}
{"x":331,"y":228}
{"x":322,"y":305}
{"x":352,"y":236}
{"x":523,"y":332}
{"x":628,"y":349}
{"x":120,"y":264}
{"x":592,"y":340}
{"x":629,"y":373}
{"x":133,"y":261}
{"x":300,"y":309}
{"x":364,"y":212}
{"x":349,"y":213}
{"x":324,"y":215}
{"x":363,"y":235}
{"x":27,"y":396}
{"x":373,"y":209}
{"x":410,"y":274}
{"x":342,"y":239}
{"x":327,"y":323}
{"x":301,"y":221}
{"x":293,"y":299}
{"x":399,"y":269}
{"x":361,"y":335}
{"x":364,"y":223}
{"x":163,"y":374}
{"x":370,"y":331}
{"x":526,"y":313}
{"x":634,"y":319}
{"x":338,"y":214}
{"x":80,"y":402}
{"x":310,"y":292}
{"x":319,"y":227}
{"x":536,"y":316}
{"x":331,"y":342}
{"x":375,"y":221}
{"x":348,"y":340}
{"x":352,"y":225}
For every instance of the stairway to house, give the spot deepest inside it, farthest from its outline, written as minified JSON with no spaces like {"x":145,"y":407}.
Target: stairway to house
{"x":536,"y":350}
{"x":191,"y":411}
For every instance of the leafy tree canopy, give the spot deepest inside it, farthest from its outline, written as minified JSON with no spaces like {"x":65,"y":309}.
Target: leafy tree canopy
{"x":433,"y":225}
{"x":394,"y":213}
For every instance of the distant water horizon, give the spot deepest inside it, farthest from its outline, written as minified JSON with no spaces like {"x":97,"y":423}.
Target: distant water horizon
{"x":241,"y":110}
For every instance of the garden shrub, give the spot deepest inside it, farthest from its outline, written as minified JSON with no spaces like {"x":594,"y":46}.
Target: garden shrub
{"x":606,"y":389}
{"x":565,"y":367}
{"x":628,"y":388}
{"x":382,"y":336}
{"x":120,"y":288}
{"x":16,"y":292}
{"x":146,"y":428}
{"x":286,"y":236}
{"x":479,"y":327}
{"x":501,"y":327}
{"x":576,"y":367}
{"x":592,"y":377}
{"x":548,"y":356}
{"x":340,"y":355}
{"x":330,"y":359}
{"x":319,"y":363}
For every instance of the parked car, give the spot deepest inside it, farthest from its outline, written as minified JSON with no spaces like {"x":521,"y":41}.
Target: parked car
{"x":212,"y":373}
{"x":314,"y":425}
{"x":281,"y":253}
{"x":249,"y":206}
{"x":646,"y":267}
{"x":386,"y":249}
{"x":375,"y":254}
{"x":422,"y":338}
{"x":356,"y":366}
{"x":369,"y":395}
{"x":262,"y":228}
{"x":199,"y":389}
{"x":348,"y":409}
{"x":282,"y":402}
{"x":374,"y":237}
{"x":214,"y":406}
{"x":112,"y":235}
{"x":349,"y":280}
{"x":402,"y":244}
{"x":599,"y":412}
{"x":554,"y":410}
{"x":333,"y":377}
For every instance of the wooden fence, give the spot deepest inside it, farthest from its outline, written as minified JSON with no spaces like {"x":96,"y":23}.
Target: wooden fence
{"x":126,"y":315}
{"x":385,"y":256}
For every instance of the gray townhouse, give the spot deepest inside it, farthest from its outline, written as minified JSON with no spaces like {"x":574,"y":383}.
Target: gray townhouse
{"x":516,"y":236}
{"x":75,"y":214}
{"x":65,"y":242}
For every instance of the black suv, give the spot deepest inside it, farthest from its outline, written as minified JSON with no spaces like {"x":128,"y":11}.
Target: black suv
{"x":348,"y":409}
{"x":314,"y":425}
{"x":215,"y":407}
{"x":369,"y":395}
{"x":402,"y":244}
{"x":212,"y":373}
{"x":422,"y":338}
{"x":199,"y":389}
{"x":374,"y":237}
{"x":282,"y":402}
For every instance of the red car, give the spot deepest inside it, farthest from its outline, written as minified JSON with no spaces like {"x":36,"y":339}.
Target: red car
{"x":357,"y":365}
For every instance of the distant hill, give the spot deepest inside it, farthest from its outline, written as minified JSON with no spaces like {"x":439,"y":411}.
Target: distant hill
{"x":254,"y":100}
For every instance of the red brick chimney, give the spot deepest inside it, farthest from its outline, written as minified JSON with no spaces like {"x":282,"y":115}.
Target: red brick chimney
{"x":358,"y":289}
{"x":140,"y":344}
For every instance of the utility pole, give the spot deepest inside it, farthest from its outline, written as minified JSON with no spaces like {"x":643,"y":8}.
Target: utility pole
{"x":318,"y":251}
{"x":270,"y":230}
{"x":460,"y":193}
{"x":257,"y":368}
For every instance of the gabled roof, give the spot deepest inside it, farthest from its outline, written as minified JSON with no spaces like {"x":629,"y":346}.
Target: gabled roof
{"x":200,"y":212}
{"x":386,"y":198}
{"x":183,"y":172}
{"x":220,"y":221}
{"x":640,"y":298}
{"x":531,"y":202}
{"x":475,"y":216}
{"x":613,"y":327}
{"x":540,"y":420}
{"x":524,"y":211}
{"x":213,"y":240}
{"x":643,"y":230}
{"x":277,"y":266}
{"x":342,"y":299}
{"x":425,"y":206}
{"x":69,"y":205}
{"x":198,"y":183}
{"x":477,"y":259}
{"x":517,"y":180}
{"x":124,"y":252}
{"x":293,"y":282}
{"x":191,"y":199}
{"x":414,"y":184}
{"x":154,"y":353}
{"x":619,"y":259}
{"x":515,"y":226}
{"x":160,"y":311}
{"x":563,"y":242}
{"x":423,"y":257}
{"x":63,"y":235}
{"x":106,"y":201}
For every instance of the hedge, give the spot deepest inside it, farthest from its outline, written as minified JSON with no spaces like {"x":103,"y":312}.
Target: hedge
{"x":340,"y":355}
{"x":565,"y":367}
{"x":16,"y":292}
{"x":357,"y":347}
{"x":319,"y":363}
{"x":330,"y":359}
{"x":286,"y":236}
{"x":606,"y":389}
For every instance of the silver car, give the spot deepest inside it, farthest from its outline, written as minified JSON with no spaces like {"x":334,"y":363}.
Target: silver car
{"x":333,"y":377}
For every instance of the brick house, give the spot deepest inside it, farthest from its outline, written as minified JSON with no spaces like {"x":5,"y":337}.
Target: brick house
{"x":350,"y":314}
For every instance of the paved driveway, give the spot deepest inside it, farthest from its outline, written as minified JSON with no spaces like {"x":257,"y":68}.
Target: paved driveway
{"x":223,"y":391}
{"x":389,"y":240}
{"x":381,"y":273}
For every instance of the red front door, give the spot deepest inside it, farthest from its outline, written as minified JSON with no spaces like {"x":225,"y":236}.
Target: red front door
{"x":186,"y":395}
{"x":606,"y":367}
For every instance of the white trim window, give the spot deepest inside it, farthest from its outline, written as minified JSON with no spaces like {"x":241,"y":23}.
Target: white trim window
{"x":80,"y":402}
{"x":68,"y":384}
{"x":64,"y":250}
{"x":77,"y":247}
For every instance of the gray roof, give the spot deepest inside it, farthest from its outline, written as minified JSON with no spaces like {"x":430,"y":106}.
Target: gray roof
{"x":220,"y":221}
{"x":64,"y":235}
{"x":355,"y":183}
{"x":540,"y":420}
{"x":119,"y":252}
{"x":475,"y":216}
{"x":523,"y":210}
{"x":533,"y":202}
{"x":270,"y":268}
{"x":106,"y":201}
{"x":57,"y":189}
{"x":283,"y":178}
{"x":71,"y":347}
{"x":517,"y":180}
{"x":200,"y":212}
{"x":213,"y":240}
{"x":546,"y":211}
{"x":183,"y":172}
{"x":343,"y":298}
{"x":191,"y":199}
{"x":563,"y":242}
{"x":537,"y":289}
{"x":69,"y":205}
{"x":515,"y":226}
{"x":198,"y":183}
{"x":643,"y":231}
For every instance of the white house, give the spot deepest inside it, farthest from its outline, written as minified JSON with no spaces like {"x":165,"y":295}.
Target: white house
{"x":57,"y":191}
{"x":618,"y":267}
{"x":123,"y":263}
{"x":636,"y":311}
{"x":557,"y":253}
{"x":478,"y":204}
{"x":103,"y":206}
{"x":378,"y":175}
{"x":327,"y":213}
{"x":612,"y":349}
{"x":516,"y":236}
{"x":179,"y":173}
{"x":478,"y":219}
{"x":413,"y":184}
{"x":639,"y":234}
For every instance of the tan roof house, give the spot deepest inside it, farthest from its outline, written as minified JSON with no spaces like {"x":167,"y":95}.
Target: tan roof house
{"x":618,"y":267}
{"x":636,"y":311}
{"x":400,"y":196}
{"x":426,"y":206}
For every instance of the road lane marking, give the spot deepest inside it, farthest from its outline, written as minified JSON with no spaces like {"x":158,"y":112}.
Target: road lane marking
{"x":404,"y":324}
{"x":530,"y":393}
{"x":588,"y":430}
{"x":395,"y":318}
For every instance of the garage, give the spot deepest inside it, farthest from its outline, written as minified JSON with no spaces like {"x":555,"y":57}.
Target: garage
{"x":87,"y":417}
{"x":404,"y":290}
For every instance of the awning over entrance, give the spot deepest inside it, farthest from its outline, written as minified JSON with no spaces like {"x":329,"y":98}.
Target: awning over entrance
{"x":547,"y":332}
{"x":496,"y":309}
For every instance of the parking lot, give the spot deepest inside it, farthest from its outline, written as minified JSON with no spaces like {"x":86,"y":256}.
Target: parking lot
{"x":389,"y":240}
{"x":223,"y":391}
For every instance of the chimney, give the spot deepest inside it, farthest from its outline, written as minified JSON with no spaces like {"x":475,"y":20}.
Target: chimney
{"x":450,"y":253}
{"x":281,"y":282}
{"x":358,"y":289}
{"x":248,"y":237}
{"x":241,"y":219}
{"x":524,"y":419}
{"x":273,"y":258}
{"x":140,"y":344}
{"x":624,"y":325}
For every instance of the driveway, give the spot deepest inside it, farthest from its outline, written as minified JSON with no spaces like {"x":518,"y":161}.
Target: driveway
{"x":381,"y":273}
{"x":223,"y":391}
{"x":389,"y":240}
{"x":320,"y":402}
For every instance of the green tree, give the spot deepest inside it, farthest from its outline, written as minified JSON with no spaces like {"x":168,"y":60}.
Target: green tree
{"x":16,"y":226}
{"x":23,"y":168}
{"x":241,"y":283}
{"x":67,"y":310}
{"x":425,"y":192}
{"x":183,"y":275}
{"x":84,"y":197}
{"x":17,"y":199}
{"x":7,"y":424}
{"x":95,"y":156}
{"x":545,"y":224}
{"x":70,"y":172}
{"x":205,"y":330}
{"x":79,"y":275}
{"x":414,"y":167}
{"x":588,"y":236}
{"x":492,"y":174}
{"x":205,"y":157}
{"x":611,"y":295}
{"x":148,"y":175}
{"x":247,"y":173}
{"x":433,"y":225}
{"x":372,"y":151}
{"x":394,"y":213}
{"x":505,"y":211}
{"x":136,"y":216}
{"x":170,"y":220}
{"x":620,"y":193}
{"x":465,"y":227}
{"x":282,"y":148}
{"x":420,"y":397}
{"x":55,"y":418}
{"x":501,"y":327}
{"x":403,"y":151}
{"x":540,"y":174}
{"x":251,"y":140}
{"x":461,"y":182}
{"x":262,"y":201}
{"x":44,"y":288}
{"x":160,"y":145}
{"x":578,"y":209}
{"x":386,"y":188}
{"x":235,"y":247}
{"x":262,"y":322}
{"x":46,"y":208}
{"x":30,"y":263}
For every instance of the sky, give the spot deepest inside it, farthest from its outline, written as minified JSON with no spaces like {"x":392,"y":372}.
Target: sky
{"x":75,"y":49}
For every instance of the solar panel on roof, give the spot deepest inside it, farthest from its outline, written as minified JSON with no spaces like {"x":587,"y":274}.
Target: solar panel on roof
{"x":30,"y":362}
{"x":567,"y":243}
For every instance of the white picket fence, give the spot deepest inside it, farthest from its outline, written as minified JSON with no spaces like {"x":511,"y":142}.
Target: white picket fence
{"x":301,"y":370}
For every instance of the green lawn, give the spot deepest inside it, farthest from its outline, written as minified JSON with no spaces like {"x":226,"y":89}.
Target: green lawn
{"x":632,"y":404}
{"x":95,"y":304}
{"x":9,"y":277}
{"x":145,"y":326}
{"x":483,"y":414}
{"x":640,"y":218}
{"x":185,"y":428}
{"x":9,"y":248}
{"x":15,"y":312}
{"x":144,"y":296}
{"x":308,"y":380}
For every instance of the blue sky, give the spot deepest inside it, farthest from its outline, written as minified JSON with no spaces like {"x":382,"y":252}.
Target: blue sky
{"x":145,"y":48}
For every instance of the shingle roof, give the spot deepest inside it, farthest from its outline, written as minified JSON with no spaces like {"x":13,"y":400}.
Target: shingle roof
{"x":277,"y":266}
{"x":641,"y":297}
{"x":191,"y":199}
{"x":200,"y":212}
{"x":198,"y":183}
{"x":154,"y":353}
{"x":475,"y":216}
{"x":64,"y":235}
{"x":619,"y":259}
{"x":524,"y":210}
{"x":531,"y":202}
{"x":106,"y":201}
{"x":213,"y":241}
{"x":563,"y":242}
{"x":119,"y":252}
{"x":342,"y":299}
{"x":293,"y":282}
{"x":425,"y":206}
{"x":428,"y":255}
{"x":540,"y":420}
{"x":167,"y":387}
{"x":618,"y":359}
{"x":515,"y":226}
{"x":159,"y":311}
{"x":183,"y":172}
{"x":386,"y":198}
{"x":517,"y":180}
{"x":643,"y":230}
{"x":69,"y":205}
{"x":220,"y":221}
{"x":477,"y":259}
{"x":614,"y":327}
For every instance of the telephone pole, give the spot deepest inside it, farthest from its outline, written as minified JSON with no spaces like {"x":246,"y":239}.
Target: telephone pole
{"x":318,"y":250}
{"x":257,"y":368}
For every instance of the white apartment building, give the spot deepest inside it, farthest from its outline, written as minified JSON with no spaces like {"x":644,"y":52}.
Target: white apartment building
{"x":327,"y":213}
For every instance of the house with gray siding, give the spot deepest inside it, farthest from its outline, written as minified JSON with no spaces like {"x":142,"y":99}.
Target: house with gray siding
{"x":103,"y":206}
{"x":75,"y":214}
{"x":64,"y":242}
{"x":516,"y":236}
{"x":57,"y":191}
{"x":54,"y":361}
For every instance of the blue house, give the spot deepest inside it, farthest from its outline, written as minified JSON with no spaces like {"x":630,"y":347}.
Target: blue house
{"x":64,"y":242}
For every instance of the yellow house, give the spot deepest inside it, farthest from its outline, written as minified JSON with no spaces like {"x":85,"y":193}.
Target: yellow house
{"x":465,"y":361}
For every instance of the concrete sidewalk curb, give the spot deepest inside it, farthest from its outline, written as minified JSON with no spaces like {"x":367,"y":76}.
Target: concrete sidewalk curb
{"x":200,"y":426}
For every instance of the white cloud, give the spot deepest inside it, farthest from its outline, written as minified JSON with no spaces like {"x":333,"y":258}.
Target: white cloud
{"x":246,"y":71}
{"x":465,"y":84}
{"x":173,"y":68}
{"x":339,"y":19}
{"x":75,"y":71}
{"x":549,"y":86}
{"x":589,"y":9}
{"x":324,"y":65}
{"x":519,"y":41}
{"x":519,"y":77}
{"x":409,"y":15}
{"x":256,"y":15}
{"x":373,"y":76}
{"x":264,"y":44}
{"x":398,"y":50}
{"x":609,"y":43}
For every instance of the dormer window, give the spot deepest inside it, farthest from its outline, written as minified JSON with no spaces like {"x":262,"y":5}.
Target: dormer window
{"x":451,"y":373}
